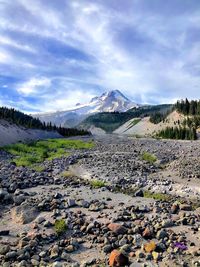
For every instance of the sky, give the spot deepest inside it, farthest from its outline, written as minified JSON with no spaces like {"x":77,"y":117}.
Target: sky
{"x":56,"y":53}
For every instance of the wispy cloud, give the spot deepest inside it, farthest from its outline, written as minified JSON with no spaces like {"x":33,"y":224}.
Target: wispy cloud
{"x":56,"y":53}
{"x":34,"y":86}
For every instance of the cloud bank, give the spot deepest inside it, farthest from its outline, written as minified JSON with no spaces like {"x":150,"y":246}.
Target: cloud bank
{"x":54,"y":54}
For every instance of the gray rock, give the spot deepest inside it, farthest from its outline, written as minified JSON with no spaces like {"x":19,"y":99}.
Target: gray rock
{"x":107,"y":248}
{"x":22,"y":263}
{"x":11,"y":255}
{"x":4,"y":249}
{"x":40,"y":220}
{"x":167,"y":223}
{"x":139,"y":193}
{"x":161,"y":234}
{"x":71,"y":203}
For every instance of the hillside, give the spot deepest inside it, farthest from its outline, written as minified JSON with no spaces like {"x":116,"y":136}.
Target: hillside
{"x":12,"y":133}
{"x":16,"y":126}
{"x":145,"y":127}
{"x":110,"y":121}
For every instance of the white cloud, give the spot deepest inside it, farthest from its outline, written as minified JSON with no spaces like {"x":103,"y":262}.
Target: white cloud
{"x":7,"y":41}
{"x":34,"y":85}
{"x":4,"y":57}
{"x":62,"y":101}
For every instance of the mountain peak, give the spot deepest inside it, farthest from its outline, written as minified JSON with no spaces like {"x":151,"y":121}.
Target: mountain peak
{"x":117,"y":93}
{"x":109,"y":101}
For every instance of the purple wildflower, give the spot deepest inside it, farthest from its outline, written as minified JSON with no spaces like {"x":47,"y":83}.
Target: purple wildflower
{"x":180,"y":245}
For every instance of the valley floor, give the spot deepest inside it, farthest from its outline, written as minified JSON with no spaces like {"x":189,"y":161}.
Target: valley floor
{"x":124,"y":202}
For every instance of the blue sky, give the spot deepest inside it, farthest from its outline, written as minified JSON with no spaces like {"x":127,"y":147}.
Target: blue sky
{"x":55,"y":53}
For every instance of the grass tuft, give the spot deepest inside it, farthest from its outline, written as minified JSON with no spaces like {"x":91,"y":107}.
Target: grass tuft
{"x":157,"y":196}
{"x":97,"y":183}
{"x":149,"y":157}
{"x":38,"y":168}
{"x":67,"y":174}
{"x":60,"y":227}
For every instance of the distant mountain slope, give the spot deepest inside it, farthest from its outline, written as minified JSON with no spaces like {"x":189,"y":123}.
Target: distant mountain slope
{"x":108,"y":102}
{"x":110,"y":121}
{"x":12,"y":133}
{"x":145,"y":127}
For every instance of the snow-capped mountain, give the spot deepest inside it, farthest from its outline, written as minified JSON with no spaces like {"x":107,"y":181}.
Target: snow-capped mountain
{"x":108,"y":102}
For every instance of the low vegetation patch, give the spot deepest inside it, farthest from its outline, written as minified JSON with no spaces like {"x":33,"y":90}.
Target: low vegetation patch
{"x":149,"y":157}
{"x":67,"y":174}
{"x":60,"y":227}
{"x":97,"y":183}
{"x":135,"y":121}
{"x":34,"y":153}
{"x":38,"y":168}
{"x":157,"y":196}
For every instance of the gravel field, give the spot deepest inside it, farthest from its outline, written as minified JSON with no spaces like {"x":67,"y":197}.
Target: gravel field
{"x":107,"y":206}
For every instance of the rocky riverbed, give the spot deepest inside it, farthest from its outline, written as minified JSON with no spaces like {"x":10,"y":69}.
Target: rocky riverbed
{"x":142,"y":214}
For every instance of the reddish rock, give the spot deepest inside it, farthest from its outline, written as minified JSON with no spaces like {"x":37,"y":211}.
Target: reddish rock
{"x":117,"y":228}
{"x":137,"y":222}
{"x":147,"y":233}
{"x":117,"y":259}
{"x":174,"y":208}
{"x":132,"y":254}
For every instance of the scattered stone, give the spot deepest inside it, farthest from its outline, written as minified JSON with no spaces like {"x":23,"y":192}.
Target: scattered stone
{"x":4,"y":249}
{"x":139,"y":193}
{"x":4,"y":232}
{"x":71,"y":203}
{"x":117,"y":228}
{"x":117,"y":259}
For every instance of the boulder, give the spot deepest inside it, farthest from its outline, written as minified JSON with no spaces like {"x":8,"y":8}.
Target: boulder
{"x":117,"y":259}
{"x":117,"y":228}
{"x":4,"y":249}
{"x":139,"y":193}
{"x":161,"y":234}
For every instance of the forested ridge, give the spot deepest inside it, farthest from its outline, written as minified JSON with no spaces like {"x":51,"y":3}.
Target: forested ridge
{"x":187,"y":130}
{"x":27,"y":121}
{"x":188,"y":107}
{"x":183,"y":133}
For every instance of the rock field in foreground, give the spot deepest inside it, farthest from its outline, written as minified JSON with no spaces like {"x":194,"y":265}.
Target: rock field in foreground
{"x":115,"y":225}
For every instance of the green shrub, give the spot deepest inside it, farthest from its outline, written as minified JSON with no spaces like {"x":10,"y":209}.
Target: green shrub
{"x":157,"y":196}
{"x":60,"y":226}
{"x":38,"y":168}
{"x":97,"y":183}
{"x":149,"y":157}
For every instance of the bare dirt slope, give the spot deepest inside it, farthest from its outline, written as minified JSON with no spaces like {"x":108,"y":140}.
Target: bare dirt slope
{"x":145,"y":128}
{"x":11,"y":133}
